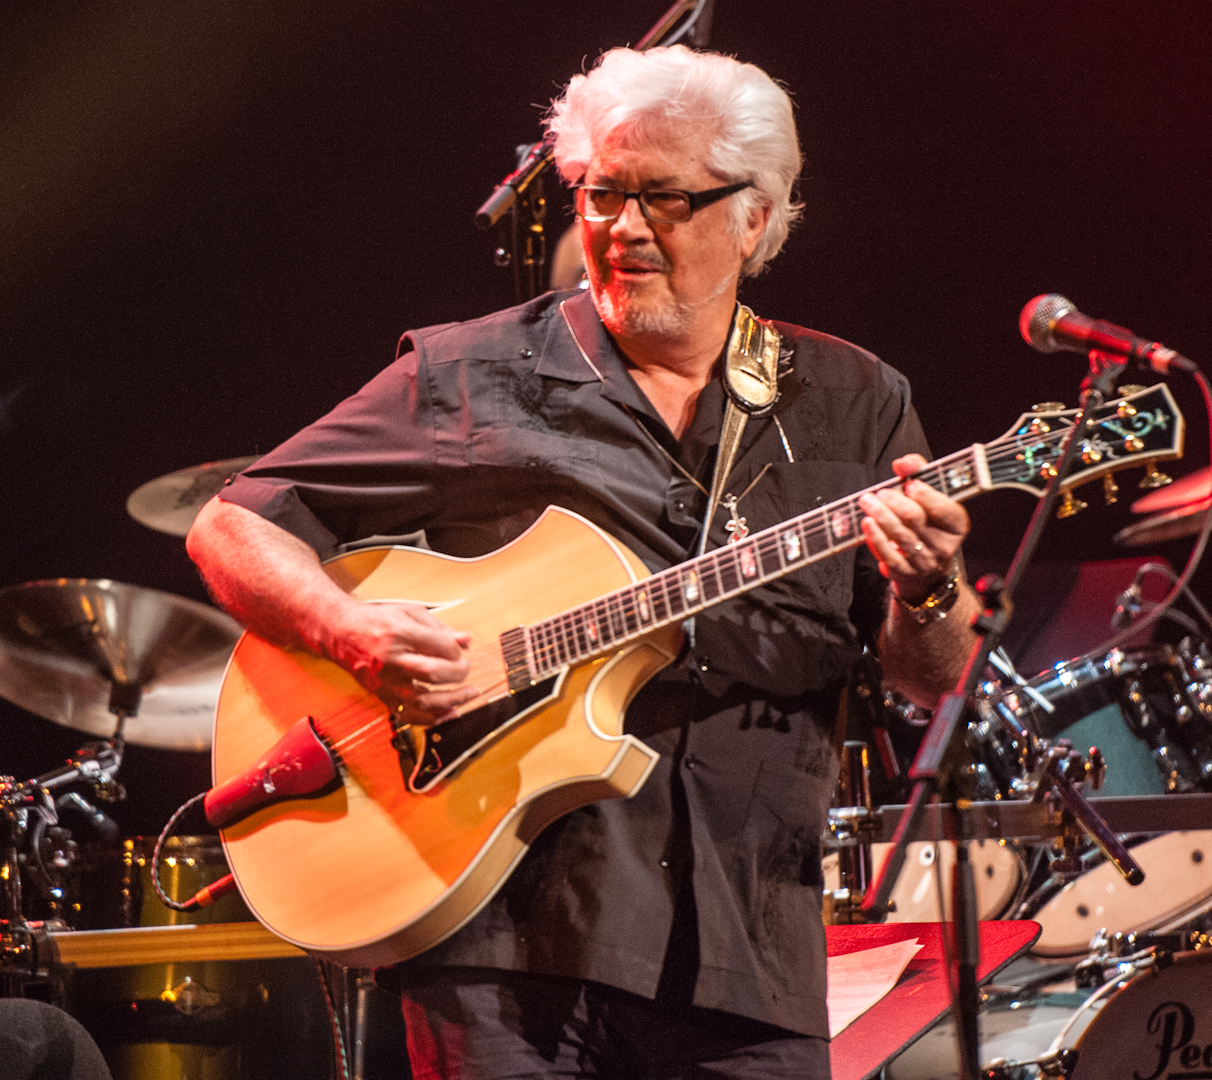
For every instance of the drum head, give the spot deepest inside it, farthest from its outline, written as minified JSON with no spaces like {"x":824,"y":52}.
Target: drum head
{"x":997,"y":869}
{"x":1157,"y":1026}
{"x":1177,"y":886}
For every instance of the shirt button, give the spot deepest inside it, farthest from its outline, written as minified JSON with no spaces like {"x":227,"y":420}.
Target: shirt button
{"x":704,"y":664}
{"x":691,"y":762}
{"x":679,"y":505}
{"x":665,"y":863}
{"x":526,"y":354}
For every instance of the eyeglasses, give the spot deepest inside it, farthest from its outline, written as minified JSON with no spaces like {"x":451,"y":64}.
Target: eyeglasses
{"x":666,"y":206}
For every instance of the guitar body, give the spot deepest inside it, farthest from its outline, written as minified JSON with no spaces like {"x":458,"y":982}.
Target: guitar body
{"x":405,"y":846}
{"x":372,"y":872}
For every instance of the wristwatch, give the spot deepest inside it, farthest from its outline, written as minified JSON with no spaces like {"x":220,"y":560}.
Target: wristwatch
{"x":935,"y":607}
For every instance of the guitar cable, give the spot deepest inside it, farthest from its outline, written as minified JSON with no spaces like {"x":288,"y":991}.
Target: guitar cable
{"x":203,"y":897}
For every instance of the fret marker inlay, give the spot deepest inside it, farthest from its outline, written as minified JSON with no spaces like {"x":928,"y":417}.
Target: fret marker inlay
{"x":691,"y":587}
{"x":748,"y":562}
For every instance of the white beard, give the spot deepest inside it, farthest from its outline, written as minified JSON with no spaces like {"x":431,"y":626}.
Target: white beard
{"x":625,"y":315}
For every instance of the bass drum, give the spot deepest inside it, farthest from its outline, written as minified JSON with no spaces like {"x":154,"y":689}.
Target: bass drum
{"x":1157,"y":1025}
{"x":200,"y":1020}
{"x":998,"y":869}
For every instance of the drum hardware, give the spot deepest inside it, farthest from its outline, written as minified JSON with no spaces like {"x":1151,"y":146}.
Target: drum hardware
{"x":854,"y":789}
{"x":170,"y":503}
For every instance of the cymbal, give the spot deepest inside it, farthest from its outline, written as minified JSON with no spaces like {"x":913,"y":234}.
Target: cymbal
{"x":170,"y":503}
{"x":69,"y":647}
{"x":1186,"y":490}
{"x":1185,"y":521}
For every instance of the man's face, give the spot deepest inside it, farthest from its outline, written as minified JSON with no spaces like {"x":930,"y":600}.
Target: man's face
{"x":649,"y":278}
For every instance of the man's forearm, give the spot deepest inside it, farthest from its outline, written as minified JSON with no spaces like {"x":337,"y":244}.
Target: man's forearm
{"x":266,"y":578}
{"x":924,"y":662}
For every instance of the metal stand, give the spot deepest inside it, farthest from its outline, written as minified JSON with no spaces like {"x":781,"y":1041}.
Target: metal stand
{"x":940,"y":769}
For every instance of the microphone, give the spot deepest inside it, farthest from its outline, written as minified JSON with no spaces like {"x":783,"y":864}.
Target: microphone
{"x":1051,"y":323}
{"x":533,"y":160}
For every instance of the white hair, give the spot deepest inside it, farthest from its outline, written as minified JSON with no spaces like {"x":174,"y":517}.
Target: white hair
{"x":644,"y":98}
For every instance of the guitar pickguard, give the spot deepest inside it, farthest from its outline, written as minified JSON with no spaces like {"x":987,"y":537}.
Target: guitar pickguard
{"x":428,"y":755}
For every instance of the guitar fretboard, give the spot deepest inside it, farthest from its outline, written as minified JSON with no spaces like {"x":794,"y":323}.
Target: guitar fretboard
{"x":1025,"y":459}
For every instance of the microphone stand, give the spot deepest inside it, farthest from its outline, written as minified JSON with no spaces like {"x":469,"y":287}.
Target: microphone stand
{"x":940,"y":767}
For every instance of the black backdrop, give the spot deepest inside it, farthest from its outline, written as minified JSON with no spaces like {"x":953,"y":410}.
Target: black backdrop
{"x":216,"y":219}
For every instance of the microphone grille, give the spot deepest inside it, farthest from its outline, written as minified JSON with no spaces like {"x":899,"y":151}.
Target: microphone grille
{"x":1038,"y":318}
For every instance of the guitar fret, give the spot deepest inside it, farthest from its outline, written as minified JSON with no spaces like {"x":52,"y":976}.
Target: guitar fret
{"x":566,"y":637}
{"x":816,"y":535}
{"x":729,"y":570}
{"x":577,"y":626}
{"x":643,"y":605}
{"x":631,"y":619}
{"x":549,"y":658}
{"x":709,"y":579}
{"x":767,"y":551}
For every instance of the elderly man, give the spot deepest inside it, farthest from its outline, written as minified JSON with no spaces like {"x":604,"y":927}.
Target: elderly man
{"x":677,"y":933}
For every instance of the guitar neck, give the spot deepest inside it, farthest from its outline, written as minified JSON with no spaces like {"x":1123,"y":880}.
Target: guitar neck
{"x":1136,"y":429}
{"x":540,"y":650}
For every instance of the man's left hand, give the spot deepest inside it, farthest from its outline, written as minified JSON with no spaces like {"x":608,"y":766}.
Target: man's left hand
{"x":914,"y":532}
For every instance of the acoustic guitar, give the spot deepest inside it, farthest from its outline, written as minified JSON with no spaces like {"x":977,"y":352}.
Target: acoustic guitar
{"x":364,"y":840}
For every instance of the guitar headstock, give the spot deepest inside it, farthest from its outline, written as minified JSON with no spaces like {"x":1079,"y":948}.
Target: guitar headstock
{"x":1139,"y":428}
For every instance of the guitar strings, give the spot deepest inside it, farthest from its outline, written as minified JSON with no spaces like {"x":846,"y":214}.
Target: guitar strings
{"x":344,"y":737}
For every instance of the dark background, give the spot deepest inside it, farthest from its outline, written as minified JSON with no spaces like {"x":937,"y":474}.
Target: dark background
{"x":216,"y":219}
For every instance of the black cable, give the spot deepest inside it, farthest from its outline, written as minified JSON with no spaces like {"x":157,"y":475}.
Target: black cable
{"x":176,"y":905}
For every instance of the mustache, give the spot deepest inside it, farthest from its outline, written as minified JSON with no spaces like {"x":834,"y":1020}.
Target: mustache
{"x":648,"y":258}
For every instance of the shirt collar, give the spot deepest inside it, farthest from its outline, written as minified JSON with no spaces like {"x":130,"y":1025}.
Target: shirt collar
{"x":577,"y":348}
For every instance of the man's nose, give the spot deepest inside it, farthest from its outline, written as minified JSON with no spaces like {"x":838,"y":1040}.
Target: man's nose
{"x":631,"y":223}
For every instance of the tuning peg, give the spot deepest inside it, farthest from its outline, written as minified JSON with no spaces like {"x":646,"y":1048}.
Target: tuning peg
{"x":1048,"y":406}
{"x":1154,"y":478}
{"x":1110,"y":490}
{"x":1069,"y":506}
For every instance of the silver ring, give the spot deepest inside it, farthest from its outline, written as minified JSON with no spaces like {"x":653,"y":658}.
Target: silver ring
{"x":918,"y":548}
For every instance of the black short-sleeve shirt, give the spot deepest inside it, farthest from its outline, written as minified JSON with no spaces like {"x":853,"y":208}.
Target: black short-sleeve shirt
{"x":468,"y":435}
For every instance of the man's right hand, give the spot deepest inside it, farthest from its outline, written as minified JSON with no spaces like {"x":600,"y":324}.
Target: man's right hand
{"x":406,"y":655}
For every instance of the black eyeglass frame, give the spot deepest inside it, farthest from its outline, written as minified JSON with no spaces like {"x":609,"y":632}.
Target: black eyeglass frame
{"x":696,"y":199}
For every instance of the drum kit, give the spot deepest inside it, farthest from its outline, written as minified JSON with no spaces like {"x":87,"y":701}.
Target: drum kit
{"x":82,"y":925}
{"x":1119,"y":980}
{"x":126,"y":664}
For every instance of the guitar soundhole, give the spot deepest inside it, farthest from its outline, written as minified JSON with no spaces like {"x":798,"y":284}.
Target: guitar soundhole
{"x":449,"y":744}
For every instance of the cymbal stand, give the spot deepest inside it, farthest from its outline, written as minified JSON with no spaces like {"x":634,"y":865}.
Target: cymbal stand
{"x":941,"y":768}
